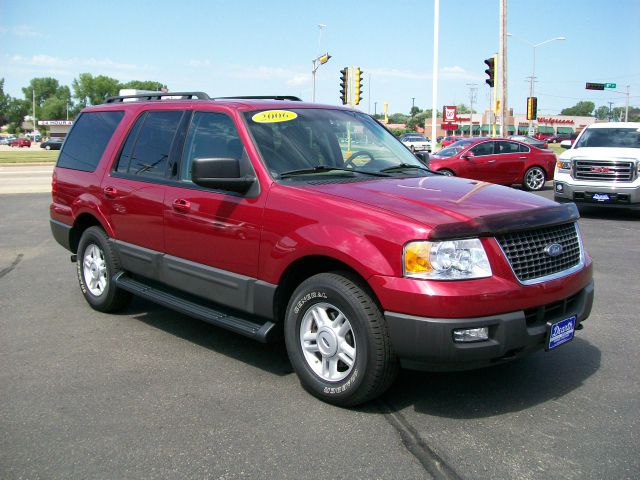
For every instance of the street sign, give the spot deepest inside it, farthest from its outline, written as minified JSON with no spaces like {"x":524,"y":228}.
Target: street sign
{"x":609,"y":85}
{"x":595,"y":86}
{"x":449,"y":114}
{"x":449,"y":126}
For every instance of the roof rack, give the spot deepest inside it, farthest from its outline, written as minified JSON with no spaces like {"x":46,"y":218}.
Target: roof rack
{"x":262,"y":97}
{"x":159,"y":95}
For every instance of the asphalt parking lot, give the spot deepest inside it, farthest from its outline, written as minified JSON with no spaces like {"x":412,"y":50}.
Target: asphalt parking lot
{"x":149,"y":393}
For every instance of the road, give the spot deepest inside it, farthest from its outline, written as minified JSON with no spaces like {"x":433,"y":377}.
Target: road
{"x":149,"y":393}
{"x":25,"y":178}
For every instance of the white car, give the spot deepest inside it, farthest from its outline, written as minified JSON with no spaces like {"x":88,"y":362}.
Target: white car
{"x":416,"y":142}
{"x":602,"y":167}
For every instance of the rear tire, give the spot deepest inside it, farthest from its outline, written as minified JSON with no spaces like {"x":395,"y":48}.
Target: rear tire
{"x":337,"y":340}
{"x":534,"y":179}
{"x":96,"y":265}
{"x":446,"y":172}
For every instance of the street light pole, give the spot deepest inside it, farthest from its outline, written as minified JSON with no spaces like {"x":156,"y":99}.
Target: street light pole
{"x":533,"y":69}
{"x":315,"y":65}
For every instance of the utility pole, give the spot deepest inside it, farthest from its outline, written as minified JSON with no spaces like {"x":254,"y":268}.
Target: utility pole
{"x":503,"y":66}
{"x":610,"y":111}
{"x":472,"y":98}
{"x":434,"y":92}
{"x":626,"y":107}
{"x":413,"y":103}
{"x":33,"y":118}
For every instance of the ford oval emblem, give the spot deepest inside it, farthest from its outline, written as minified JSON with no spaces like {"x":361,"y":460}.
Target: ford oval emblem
{"x":553,"y":249}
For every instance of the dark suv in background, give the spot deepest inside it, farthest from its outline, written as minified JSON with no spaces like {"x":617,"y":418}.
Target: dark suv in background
{"x":265,"y":217}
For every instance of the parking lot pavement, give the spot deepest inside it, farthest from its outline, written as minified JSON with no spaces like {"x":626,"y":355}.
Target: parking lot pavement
{"x":25,"y":179}
{"x":149,"y":393}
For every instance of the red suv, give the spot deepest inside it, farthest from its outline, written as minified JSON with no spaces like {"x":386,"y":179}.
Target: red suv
{"x":497,"y":160}
{"x":274,"y":217}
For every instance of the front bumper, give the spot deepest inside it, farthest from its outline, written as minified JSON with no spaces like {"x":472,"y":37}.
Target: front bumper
{"x":427,"y":343}
{"x":623,"y":197}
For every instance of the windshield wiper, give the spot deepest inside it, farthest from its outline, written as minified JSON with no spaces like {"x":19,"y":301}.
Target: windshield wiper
{"x":327,"y":168}
{"x":405,"y":166}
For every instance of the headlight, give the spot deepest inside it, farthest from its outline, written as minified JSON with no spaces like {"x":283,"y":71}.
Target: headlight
{"x":448,"y":260}
{"x":563,"y":164}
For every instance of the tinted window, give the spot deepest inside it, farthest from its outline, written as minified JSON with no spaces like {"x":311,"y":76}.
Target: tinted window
{"x":507,"y":147}
{"x":151,"y":144}
{"x":125,"y":154}
{"x":211,"y":135}
{"x":485,"y":148}
{"x":87,"y":140}
{"x":610,"y":137}
{"x":523,"y":148}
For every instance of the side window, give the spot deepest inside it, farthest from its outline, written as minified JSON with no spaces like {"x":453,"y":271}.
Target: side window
{"x":125,"y":155}
{"x":481,"y":149}
{"x":146,"y":150}
{"x":507,"y":147}
{"x":523,"y":148}
{"x":87,"y":140}
{"x":211,"y":135}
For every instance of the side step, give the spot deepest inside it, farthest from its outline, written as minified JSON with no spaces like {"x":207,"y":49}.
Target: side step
{"x":263,"y":332}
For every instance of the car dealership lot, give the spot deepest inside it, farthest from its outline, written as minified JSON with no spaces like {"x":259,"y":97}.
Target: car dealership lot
{"x":153,"y":394}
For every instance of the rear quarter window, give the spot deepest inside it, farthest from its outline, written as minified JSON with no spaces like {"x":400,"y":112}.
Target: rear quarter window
{"x":87,"y":140}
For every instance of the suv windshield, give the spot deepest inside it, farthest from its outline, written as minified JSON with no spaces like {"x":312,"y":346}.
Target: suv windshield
{"x":315,"y":141}
{"x":610,"y":137}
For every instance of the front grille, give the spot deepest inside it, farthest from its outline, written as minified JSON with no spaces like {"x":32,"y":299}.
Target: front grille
{"x":604,"y":170}
{"x":525,"y":251}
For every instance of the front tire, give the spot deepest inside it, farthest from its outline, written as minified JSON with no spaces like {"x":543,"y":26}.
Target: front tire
{"x":534,"y":179}
{"x":96,"y":265}
{"x":337,"y":340}
{"x":446,"y":172}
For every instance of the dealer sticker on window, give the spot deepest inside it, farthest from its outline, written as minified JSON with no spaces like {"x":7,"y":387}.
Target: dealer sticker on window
{"x":561,"y":332}
{"x":274,"y":116}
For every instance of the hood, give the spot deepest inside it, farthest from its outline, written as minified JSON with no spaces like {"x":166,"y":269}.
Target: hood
{"x":602,"y":153}
{"x":454,"y":206}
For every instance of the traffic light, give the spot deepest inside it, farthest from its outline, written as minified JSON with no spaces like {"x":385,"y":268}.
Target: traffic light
{"x":491,"y":71}
{"x":358,"y":86}
{"x":344,"y":85}
{"x":532,"y":108}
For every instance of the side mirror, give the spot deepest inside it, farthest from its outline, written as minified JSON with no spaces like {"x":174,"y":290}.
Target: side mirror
{"x":468,"y":155}
{"x":423,"y":157}
{"x":220,"y":174}
{"x":565,"y":144}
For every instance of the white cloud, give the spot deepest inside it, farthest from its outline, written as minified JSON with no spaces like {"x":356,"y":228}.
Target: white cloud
{"x":22,"y":31}
{"x":46,"y":64}
{"x":198,"y":63}
{"x":289,"y":76}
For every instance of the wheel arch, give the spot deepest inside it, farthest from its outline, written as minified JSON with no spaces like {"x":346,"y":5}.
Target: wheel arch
{"x":306,"y":267}
{"x":82,"y":222}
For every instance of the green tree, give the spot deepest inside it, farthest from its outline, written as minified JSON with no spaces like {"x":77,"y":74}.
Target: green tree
{"x":602,"y":112}
{"x":43,"y":87}
{"x":414,"y":111}
{"x":462,"y":108}
{"x":4,"y":103}
{"x":17,"y":109}
{"x":54,"y":108}
{"x":143,"y":85}
{"x":398,"y":118}
{"x":90,"y":90}
{"x":580,"y":109}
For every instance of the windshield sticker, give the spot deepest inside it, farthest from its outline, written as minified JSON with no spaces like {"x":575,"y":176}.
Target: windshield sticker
{"x":274,"y":116}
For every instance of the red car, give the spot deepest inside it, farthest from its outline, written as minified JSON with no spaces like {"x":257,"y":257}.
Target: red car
{"x":20,"y":142}
{"x":543,"y":136}
{"x":496,"y":160}
{"x":446,"y":141}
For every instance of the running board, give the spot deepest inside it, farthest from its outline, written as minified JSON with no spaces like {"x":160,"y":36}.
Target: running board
{"x":263,"y":332}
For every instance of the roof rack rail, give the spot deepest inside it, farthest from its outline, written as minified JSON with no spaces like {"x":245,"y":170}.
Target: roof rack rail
{"x":159,"y":95}
{"x":262,"y":97}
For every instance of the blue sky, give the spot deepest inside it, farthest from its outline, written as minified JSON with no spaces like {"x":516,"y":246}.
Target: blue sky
{"x":253,"y":47}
